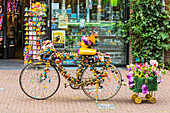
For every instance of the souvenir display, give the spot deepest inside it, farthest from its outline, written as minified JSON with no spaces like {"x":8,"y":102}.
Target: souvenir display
{"x":35,"y":30}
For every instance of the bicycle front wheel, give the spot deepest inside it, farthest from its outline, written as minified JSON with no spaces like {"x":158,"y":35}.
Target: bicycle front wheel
{"x":39,"y":82}
{"x":108,"y":87}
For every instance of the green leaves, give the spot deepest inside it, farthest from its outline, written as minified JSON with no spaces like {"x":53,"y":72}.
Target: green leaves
{"x":166,"y":23}
{"x":164,"y":35}
{"x":166,"y":46}
{"x":168,"y":26}
{"x":149,"y":28}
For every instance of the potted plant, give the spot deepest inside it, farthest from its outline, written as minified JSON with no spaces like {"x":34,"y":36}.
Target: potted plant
{"x":144,"y":78}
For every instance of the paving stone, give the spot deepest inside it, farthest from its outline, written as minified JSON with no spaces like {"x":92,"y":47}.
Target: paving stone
{"x":13,"y":100}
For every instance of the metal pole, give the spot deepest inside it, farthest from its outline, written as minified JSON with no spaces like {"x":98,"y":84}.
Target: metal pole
{"x":50,"y":19}
{"x":163,"y":8}
{"x":5,"y":54}
{"x":127,"y":18}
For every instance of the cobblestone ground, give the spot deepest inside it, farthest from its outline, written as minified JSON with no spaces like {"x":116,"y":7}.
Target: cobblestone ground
{"x":67,"y":100}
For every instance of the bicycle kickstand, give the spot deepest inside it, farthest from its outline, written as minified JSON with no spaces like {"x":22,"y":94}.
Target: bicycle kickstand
{"x":97,"y":86}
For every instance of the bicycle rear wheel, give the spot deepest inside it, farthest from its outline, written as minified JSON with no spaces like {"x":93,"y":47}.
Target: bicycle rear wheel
{"x":37,"y":86}
{"x":108,"y":87}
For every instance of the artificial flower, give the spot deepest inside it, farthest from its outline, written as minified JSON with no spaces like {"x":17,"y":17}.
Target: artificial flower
{"x":153,"y":63}
{"x":143,"y":71}
{"x":144,"y":89}
{"x":146,"y":75}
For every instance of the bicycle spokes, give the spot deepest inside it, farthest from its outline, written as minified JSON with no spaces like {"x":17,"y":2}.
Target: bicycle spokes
{"x":109,"y":82}
{"x":36,"y":85}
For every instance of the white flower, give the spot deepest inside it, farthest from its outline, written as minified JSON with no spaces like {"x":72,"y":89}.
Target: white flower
{"x":153,"y":63}
{"x":131,"y":65}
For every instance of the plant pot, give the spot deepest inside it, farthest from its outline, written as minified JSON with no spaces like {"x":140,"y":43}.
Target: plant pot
{"x":151,"y":83}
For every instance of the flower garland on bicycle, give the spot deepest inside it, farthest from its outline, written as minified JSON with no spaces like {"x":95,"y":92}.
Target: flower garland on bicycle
{"x":88,"y":55}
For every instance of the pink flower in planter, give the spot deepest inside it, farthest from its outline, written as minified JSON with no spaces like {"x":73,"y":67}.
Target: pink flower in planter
{"x":148,"y":72}
{"x":144,"y":89}
{"x":134,"y":69}
{"x":140,"y":69}
{"x":146,"y":64}
{"x":137,"y":66}
{"x":146,"y":75}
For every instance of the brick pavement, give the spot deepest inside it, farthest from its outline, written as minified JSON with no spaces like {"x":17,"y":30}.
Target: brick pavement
{"x":67,"y":100}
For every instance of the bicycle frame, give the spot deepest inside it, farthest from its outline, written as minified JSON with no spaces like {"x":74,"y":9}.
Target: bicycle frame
{"x":86,"y":61}
{"x":107,"y":78}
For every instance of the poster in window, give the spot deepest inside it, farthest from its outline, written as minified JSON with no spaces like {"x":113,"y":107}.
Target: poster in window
{"x":63,"y":21}
{"x":58,"y":38}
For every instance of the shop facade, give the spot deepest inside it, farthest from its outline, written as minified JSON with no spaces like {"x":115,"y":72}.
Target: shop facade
{"x":66,"y":23}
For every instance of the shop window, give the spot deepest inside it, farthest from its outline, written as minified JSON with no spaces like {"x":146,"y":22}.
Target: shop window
{"x":72,"y":19}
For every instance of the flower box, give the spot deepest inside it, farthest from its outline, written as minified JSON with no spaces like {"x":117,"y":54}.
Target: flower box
{"x":144,"y":78}
{"x":150,"y":82}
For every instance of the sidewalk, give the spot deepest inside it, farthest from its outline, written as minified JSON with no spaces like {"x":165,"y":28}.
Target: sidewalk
{"x":15,"y":64}
{"x":11,"y":64}
{"x":67,"y":100}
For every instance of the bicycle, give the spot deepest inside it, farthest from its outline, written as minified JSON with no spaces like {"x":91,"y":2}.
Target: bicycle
{"x":96,"y":75}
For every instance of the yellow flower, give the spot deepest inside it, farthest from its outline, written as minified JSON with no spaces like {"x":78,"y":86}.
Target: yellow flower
{"x":140,"y":76}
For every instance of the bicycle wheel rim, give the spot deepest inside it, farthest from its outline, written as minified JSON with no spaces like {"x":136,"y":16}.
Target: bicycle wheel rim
{"x":91,"y":92}
{"x":53,"y":91}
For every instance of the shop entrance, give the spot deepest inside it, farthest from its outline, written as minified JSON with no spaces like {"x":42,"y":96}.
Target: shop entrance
{"x":14,"y":29}
{"x":11,"y":34}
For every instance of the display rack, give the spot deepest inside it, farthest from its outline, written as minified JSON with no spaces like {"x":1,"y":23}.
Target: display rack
{"x":35,"y":30}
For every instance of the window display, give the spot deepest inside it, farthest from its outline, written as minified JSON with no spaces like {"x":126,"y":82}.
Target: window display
{"x":79,"y":17}
{"x":83,"y":16}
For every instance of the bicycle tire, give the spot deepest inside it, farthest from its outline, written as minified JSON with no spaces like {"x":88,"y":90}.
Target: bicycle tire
{"x":91,"y":94}
{"x":50,"y":81}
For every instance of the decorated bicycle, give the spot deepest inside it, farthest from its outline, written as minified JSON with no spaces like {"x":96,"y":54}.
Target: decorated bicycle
{"x":96,"y":75}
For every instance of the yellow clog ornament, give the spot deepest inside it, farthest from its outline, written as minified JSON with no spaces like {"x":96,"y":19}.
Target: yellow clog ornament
{"x":26,"y":28}
{"x":26,"y":38}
